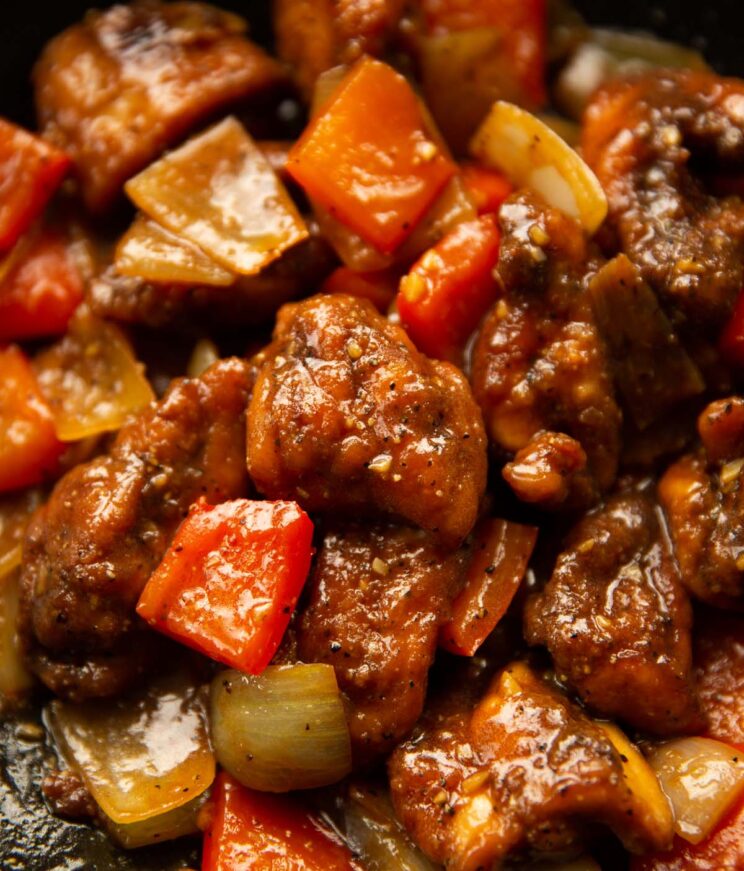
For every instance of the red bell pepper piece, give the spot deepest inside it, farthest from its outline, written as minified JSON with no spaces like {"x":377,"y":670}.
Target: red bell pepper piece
{"x":255,"y":831}
{"x":368,"y":158}
{"x":230,"y":580}
{"x":523,"y":24}
{"x":449,"y":289}
{"x":723,"y":849}
{"x":487,"y":187}
{"x":41,"y":291}
{"x":731,"y":342}
{"x":29,"y":447}
{"x":501,"y":551}
{"x":378,"y":287}
{"x":30,"y":172}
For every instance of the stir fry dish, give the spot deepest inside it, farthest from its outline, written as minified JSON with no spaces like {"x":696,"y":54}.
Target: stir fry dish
{"x":372,"y":441}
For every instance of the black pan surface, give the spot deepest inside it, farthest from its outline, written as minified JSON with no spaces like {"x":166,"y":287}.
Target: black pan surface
{"x":30,"y":838}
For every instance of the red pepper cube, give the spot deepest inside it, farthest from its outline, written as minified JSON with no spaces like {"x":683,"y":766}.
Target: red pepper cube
{"x":230,"y":580}
{"x":41,"y":289}
{"x":448,"y":290}
{"x":29,"y":447}
{"x":501,"y":552}
{"x":368,"y":158}
{"x":256,"y":831}
{"x":30,"y":172}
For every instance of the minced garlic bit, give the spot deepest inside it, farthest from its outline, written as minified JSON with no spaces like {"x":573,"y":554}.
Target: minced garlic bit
{"x":502,"y":309}
{"x":689,"y":267}
{"x":586,"y":546}
{"x":440,"y":797}
{"x":279,"y":361}
{"x":537,"y":254}
{"x":353,"y":349}
{"x":538,"y":235}
{"x":413,"y":286}
{"x":397,"y":477}
{"x":474,"y":782}
{"x":730,"y":472}
{"x":671,"y":136}
{"x":381,"y":464}
{"x":603,"y":622}
{"x":426,"y":150}
{"x":380,"y":567}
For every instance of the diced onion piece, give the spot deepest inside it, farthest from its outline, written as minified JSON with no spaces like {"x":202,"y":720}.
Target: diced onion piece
{"x":141,"y":756}
{"x":15,"y":512}
{"x":609,"y":53}
{"x":204,"y":354}
{"x":151,"y":252}
{"x":702,"y":778}
{"x":532,"y":155}
{"x":281,"y":730}
{"x":176,"y":823}
{"x":15,"y":679}
{"x":374,"y":832}
{"x":220,"y":192}
{"x":91,"y":379}
{"x":641,"y":779}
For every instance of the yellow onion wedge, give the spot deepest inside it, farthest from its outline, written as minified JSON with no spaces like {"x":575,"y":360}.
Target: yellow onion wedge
{"x":15,"y":512}
{"x":281,"y":730}
{"x":15,"y":678}
{"x":702,"y":779}
{"x":91,"y":379}
{"x":374,"y":832}
{"x":532,"y":155}
{"x":151,"y":252}
{"x":204,"y":354}
{"x":220,"y":192}
{"x":142,"y":757}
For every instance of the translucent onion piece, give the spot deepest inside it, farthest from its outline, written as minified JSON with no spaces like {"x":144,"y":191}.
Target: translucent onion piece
{"x":172,"y":824}
{"x":219,"y":192}
{"x":462,"y":73}
{"x":91,"y":379}
{"x":641,"y":779}
{"x":140,"y":756}
{"x":15,"y":678}
{"x":15,"y":512}
{"x":284,"y":729}
{"x":151,"y":252}
{"x":608,"y":53}
{"x":204,"y":354}
{"x":702,"y":778}
{"x":374,"y":832}
{"x":531,"y":155}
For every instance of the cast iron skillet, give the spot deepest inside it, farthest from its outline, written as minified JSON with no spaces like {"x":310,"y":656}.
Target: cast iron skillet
{"x":30,"y":838}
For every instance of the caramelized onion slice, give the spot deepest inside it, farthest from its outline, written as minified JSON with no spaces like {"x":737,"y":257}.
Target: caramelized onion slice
{"x":220,"y":192}
{"x":283,"y":729}
{"x":91,"y":379}
{"x":374,"y":832}
{"x":702,"y":778}
{"x":151,"y":252}
{"x":532,"y":155}
{"x":15,"y":512}
{"x":15,"y":679}
{"x":141,"y":756}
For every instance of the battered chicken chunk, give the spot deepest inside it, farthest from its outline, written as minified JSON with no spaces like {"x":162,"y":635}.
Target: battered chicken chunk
{"x":251,"y":300}
{"x":378,"y":595}
{"x":347,"y":415}
{"x":703,"y":497}
{"x":652,"y":139}
{"x":539,"y":364}
{"x":127,"y":82}
{"x":617,"y":620}
{"x":521,"y":771}
{"x":90,"y":550}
